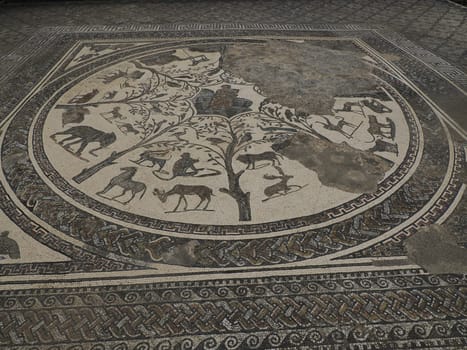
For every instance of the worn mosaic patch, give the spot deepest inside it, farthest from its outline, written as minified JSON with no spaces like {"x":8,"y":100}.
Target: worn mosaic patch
{"x":228,"y":187}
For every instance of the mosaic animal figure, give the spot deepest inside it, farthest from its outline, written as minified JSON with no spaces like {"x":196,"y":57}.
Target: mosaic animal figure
{"x":84,"y":97}
{"x":155,"y":157}
{"x":383,"y":146}
{"x":280,"y":188}
{"x":9,"y":246}
{"x":375,"y":128}
{"x":376,"y":106}
{"x":84,"y":135}
{"x":185,"y":166}
{"x":125,"y":181}
{"x":203,"y":192}
{"x":134,"y":75}
{"x":372,"y":104}
{"x":339,"y":127}
{"x":251,"y":159}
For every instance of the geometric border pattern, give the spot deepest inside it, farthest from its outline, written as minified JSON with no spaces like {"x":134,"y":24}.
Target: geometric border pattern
{"x":397,"y":308}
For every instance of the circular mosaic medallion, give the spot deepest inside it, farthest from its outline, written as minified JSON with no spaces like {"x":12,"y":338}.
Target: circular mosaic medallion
{"x":188,"y":147}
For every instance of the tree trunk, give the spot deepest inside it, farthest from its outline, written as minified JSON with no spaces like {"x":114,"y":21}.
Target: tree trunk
{"x":88,"y":172}
{"x":235,"y":191}
{"x":244,"y":208}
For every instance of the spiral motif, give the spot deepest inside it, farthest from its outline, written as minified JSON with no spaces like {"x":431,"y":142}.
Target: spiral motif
{"x":142,"y":346}
{"x":295,"y":287}
{"x":461,"y":328}
{"x":337,"y":336}
{"x":222,"y":291}
{"x":419,"y":331}
{"x":69,"y":299}
{"x":331,"y":285}
{"x":278,"y":288}
{"x":379,"y":333}
{"x":186,"y":294}
{"x":164,"y":345}
{"x":347,"y":284}
{"x":312,"y":287}
{"x":209,"y":344}
{"x":440,"y":329}
{"x":452,"y":279}
{"x":168,"y":294}
{"x":433,"y":280}
{"x":259,"y":290}
{"x":186,"y":344}
{"x":360,"y":333}
{"x":252,"y":341}
{"x":51,"y":300}
{"x":242,"y":291}
{"x":400,"y":282}
{"x":399,"y":332}
{"x":204,"y":292}
{"x":9,"y":303}
{"x":30,"y":302}
{"x":130,"y":297}
{"x":382,"y":282}
{"x":416,"y":280}
{"x":231,"y":342}
{"x":295,"y":338}
{"x":315,"y":337}
{"x":365,"y":283}
{"x":98,"y":347}
{"x":110,"y":298}
{"x":274,"y":339}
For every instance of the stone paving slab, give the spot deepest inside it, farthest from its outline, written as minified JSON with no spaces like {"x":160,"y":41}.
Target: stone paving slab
{"x":437,"y":25}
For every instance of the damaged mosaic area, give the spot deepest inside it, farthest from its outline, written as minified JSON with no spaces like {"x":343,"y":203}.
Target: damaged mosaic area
{"x":258,"y":190}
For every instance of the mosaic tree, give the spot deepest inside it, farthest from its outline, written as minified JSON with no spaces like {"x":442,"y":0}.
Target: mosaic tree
{"x":154,"y":104}
{"x":227,"y":138}
{"x":191,"y":104}
{"x":223,"y":139}
{"x":161,"y":109}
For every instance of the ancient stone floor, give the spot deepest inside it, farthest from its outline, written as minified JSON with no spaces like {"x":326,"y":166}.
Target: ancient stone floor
{"x":235,"y":175}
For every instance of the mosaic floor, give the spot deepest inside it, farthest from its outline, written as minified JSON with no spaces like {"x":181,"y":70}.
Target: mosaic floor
{"x":231,"y":187}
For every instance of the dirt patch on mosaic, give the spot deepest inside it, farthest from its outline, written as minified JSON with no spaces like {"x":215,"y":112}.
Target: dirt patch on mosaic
{"x":436,"y":250}
{"x":337,"y":165}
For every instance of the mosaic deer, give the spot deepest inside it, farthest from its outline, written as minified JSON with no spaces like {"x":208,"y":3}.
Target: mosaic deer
{"x":203,"y":192}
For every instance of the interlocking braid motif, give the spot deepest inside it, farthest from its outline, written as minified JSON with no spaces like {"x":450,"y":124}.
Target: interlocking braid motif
{"x":450,"y":334}
{"x":398,"y":300}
